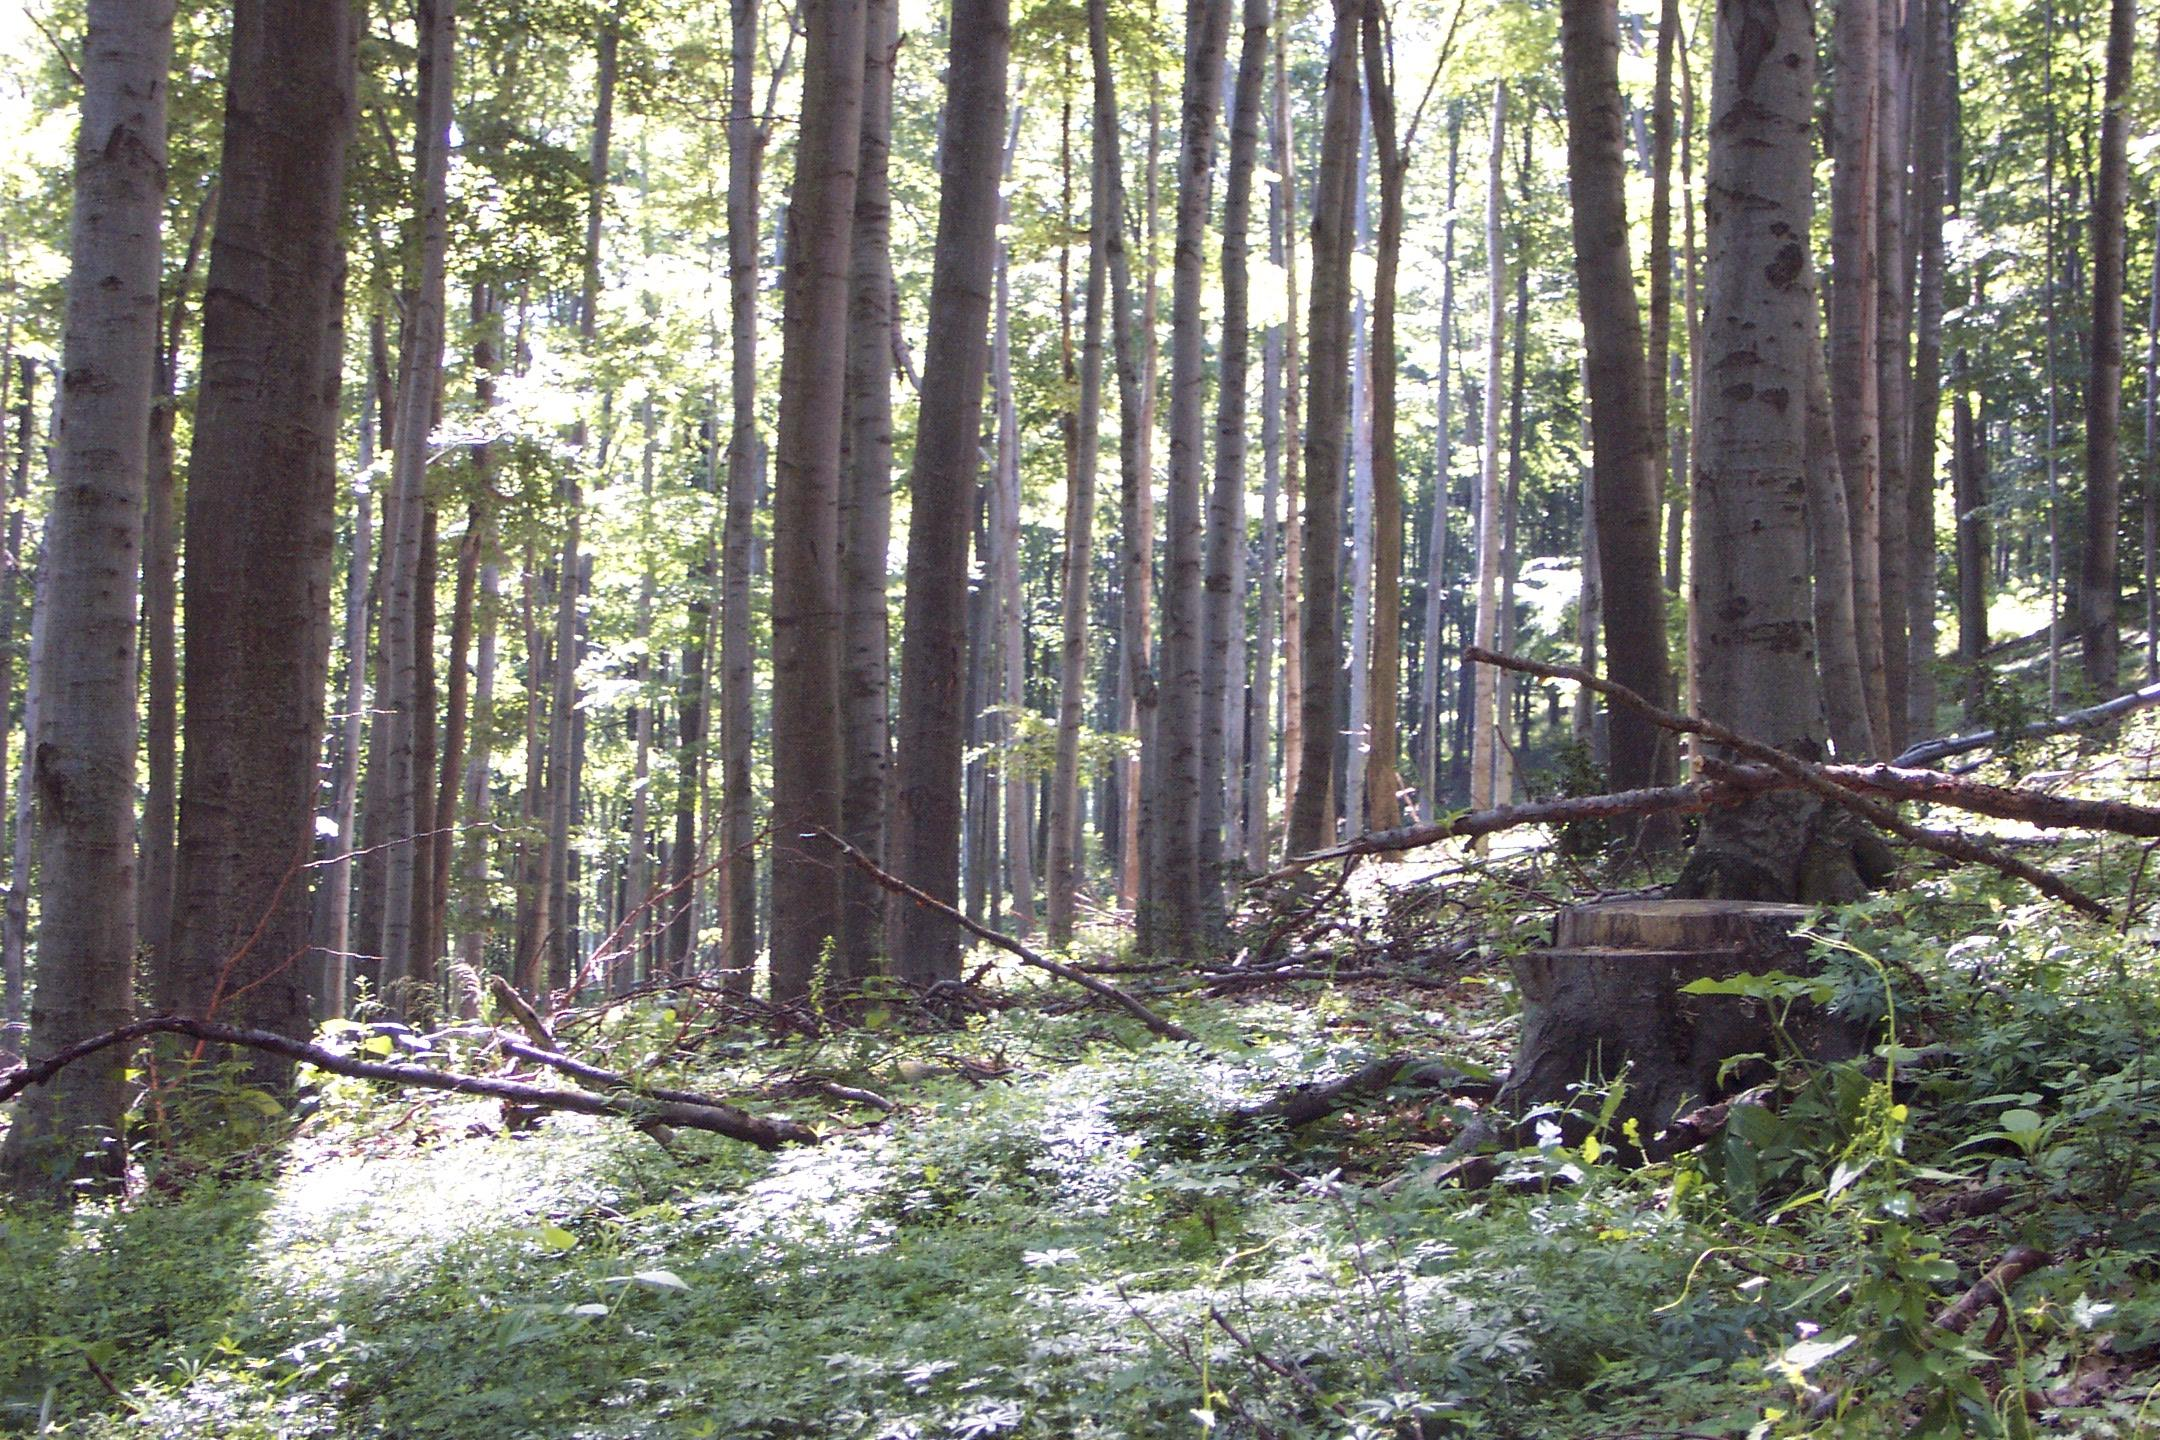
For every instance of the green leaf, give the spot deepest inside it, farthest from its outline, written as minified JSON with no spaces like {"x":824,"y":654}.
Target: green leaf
{"x":555,"y":1238}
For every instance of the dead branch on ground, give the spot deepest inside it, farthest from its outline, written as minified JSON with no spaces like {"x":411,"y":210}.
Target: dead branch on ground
{"x":1809,"y":776}
{"x":1167,"y":1029}
{"x":688,"y":1112}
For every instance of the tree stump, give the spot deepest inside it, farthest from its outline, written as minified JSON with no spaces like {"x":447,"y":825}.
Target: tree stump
{"x":1606,"y":998}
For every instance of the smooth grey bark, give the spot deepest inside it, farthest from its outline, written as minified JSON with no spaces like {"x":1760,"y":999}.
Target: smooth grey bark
{"x":866,"y":506}
{"x":15,"y":910}
{"x":1893,"y":355}
{"x":405,"y":512}
{"x":1223,"y":676}
{"x":1282,"y":154}
{"x":1831,"y":564}
{"x":1431,"y":682}
{"x":160,"y":629}
{"x":1485,"y":760}
{"x":1136,"y":524}
{"x":1311,"y":823}
{"x":83,"y":750}
{"x":806,"y":499}
{"x":1062,"y":866}
{"x":738,"y":800}
{"x":1626,"y":438}
{"x":1175,"y":918}
{"x":1008,"y":630}
{"x":2101,"y":583}
{"x":941,"y":488}
{"x":1855,"y":403}
{"x":1930,"y":190}
{"x":1756,"y":628}
{"x":261,"y":504}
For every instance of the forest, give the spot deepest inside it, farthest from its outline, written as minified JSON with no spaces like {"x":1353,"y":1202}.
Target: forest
{"x":1079,"y":718}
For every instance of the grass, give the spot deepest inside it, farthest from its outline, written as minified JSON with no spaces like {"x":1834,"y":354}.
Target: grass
{"x":1080,"y":1247}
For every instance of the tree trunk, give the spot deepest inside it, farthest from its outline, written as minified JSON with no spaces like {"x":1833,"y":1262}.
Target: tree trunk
{"x":1484,"y":724}
{"x":160,"y":635}
{"x":1757,"y":632}
{"x":1311,"y":824}
{"x":1224,"y":688}
{"x":405,"y":514}
{"x":738,"y":800}
{"x":1430,"y":677}
{"x":2151,"y":507}
{"x":1893,"y":347}
{"x":15,"y":913}
{"x":261,"y":504}
{"x":1293,"y":548}
{"x":1853,"y":298}
{"x":1626,"y":440}
{"x":866,"y":506}
{"x":678,"y":913}
{"x":1063,"y":865}
{"x":637,"y":865}
{"x":941,"y":487}
{"x":84,"y":746}
{"x":1009,"y":630}
{"x":2099,"y":593}
{"x":1354,"y":728}
{"x":807,"y":752}
{"x":1174,"y":918}
{"x":1831,"y":556}
{"x":457,"y":712}
{"x":1383,"y":780}
{"x":1931,"y":148}
{"x":472,"y":911}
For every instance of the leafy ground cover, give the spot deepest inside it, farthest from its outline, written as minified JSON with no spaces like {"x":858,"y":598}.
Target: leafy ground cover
{"x":1062,"y":1233}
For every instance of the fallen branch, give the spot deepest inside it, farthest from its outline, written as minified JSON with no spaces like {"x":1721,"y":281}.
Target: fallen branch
{"x":689,"y":1112}
{"x":1809,"y":776}
{"x":1927,"y":752}
{"x":1303,"y":1104}
{"x":1167,"y":1029}
{"x":1934,"y":787}
{"x":1663,"y":799}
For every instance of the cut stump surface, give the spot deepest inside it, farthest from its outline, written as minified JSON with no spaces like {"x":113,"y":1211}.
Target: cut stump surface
{"x":1606,"y":999}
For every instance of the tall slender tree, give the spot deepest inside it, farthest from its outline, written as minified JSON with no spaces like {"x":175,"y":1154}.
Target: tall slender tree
{"x":1062,"y":864}
{"x":1853,"y":299}
{"x":260,"y":506}
{"x":1311,"y":820}
{"x":1224,"y":679}
{"x":2101,"y":582}
{"x":1624,"y":438}
{"x":84,"y":746}
{"x":1485,"y":725}
{"x":738,"y":862}
{"x":941,"y":488}
{"x":866,"y":501}
{"x":1174,"y":917}
{"x":406,"y":647}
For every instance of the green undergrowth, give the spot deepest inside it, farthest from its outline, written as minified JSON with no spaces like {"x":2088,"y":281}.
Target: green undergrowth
{"x":1059,"y":1234}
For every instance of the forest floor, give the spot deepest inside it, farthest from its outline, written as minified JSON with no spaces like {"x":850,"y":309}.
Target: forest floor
{"x":1063,"y":1231}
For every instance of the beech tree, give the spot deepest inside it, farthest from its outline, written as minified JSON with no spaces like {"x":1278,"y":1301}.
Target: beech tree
{"x":1623,"y":442}
{"x":260,"y":512}
{"x":83,"y":753}
{"x":941,"y":484}
{"x":1327,"y":405}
